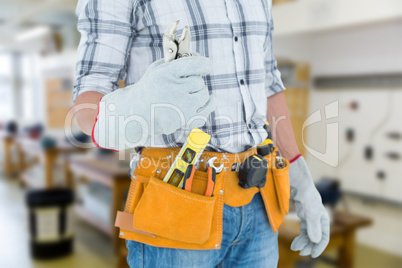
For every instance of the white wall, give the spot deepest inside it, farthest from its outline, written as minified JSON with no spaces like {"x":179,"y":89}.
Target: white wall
{"x":356,"y":173}
{"x":371,"y":49}
{"x":364,"y":50}
{"x":374,"y":49}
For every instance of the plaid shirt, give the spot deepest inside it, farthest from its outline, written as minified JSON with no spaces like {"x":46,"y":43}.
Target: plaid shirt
{"x":121,"y":38}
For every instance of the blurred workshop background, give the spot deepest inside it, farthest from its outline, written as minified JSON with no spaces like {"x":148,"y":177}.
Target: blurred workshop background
{"x":341,"y":61}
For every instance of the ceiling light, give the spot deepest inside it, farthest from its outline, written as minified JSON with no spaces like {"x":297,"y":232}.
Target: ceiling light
{"x":32,"y":33}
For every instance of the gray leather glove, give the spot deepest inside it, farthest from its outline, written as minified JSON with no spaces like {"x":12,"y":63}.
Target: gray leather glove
{"x":314,"y":227}
{"x":169,"y":96}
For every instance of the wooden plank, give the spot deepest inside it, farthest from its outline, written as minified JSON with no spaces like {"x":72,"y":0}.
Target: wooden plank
{"x":347,"y":252}
{"x":49,"y":162}
{"x":277,"y":2}
{"x":297,"y":100}
{"x":57,"y":116}
{"x":351,"y":221}
{"x":58,"y":101}
{"x":53,"y":83}
{"x":55,"y":97}
{"x":302,"y":72}
{"x":8,"y":164}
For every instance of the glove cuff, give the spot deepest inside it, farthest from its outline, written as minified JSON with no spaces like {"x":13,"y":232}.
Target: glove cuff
{"x":294,"y":159}
{"x":299,"y":172}
{"x":301,"y":181}
{"x":95,"y":134}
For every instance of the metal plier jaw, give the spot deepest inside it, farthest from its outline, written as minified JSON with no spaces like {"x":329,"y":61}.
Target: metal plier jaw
{"x":279,"y":160}
{"x":210,"y":163}
{"x":172,"y":48}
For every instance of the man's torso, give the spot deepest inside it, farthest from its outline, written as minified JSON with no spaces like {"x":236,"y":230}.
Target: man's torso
{"x":236,"y":36}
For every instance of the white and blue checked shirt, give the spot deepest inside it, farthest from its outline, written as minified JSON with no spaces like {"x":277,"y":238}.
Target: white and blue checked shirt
{"x":121,"y":38}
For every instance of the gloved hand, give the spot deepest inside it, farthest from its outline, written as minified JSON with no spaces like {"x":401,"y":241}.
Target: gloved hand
{"x":169,"y":96}
{"x":314,"y":228}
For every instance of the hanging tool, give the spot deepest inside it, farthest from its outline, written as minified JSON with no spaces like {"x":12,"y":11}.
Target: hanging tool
{"x":212,"y":171}
{"x":188,"y":178}
{"x":172,"y":48}
{"x":279,"y":160}
{"x":267,"y":147}
{"x":210,"y":163}
{"x":211,"y":176}
{"x":189,"y":154}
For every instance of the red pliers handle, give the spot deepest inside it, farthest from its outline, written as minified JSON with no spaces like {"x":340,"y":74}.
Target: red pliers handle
{"x":189,"y":176}
{"x":210,"y":182}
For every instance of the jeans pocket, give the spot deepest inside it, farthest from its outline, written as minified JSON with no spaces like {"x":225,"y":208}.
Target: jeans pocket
{"x":129,"y":247}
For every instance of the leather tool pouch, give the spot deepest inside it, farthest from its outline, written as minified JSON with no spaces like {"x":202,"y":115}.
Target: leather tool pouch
{"x":167,"y":211}
{"x":281,"y":181}
{"x":276,"y":192}
{"x":163,"y":215}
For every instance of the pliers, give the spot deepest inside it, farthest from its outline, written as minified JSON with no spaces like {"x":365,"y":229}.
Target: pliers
{"x":172,"y":48}
{"x":211,"y":176}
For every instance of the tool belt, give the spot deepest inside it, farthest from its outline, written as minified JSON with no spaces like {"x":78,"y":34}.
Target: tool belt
{"x":162,"y":215}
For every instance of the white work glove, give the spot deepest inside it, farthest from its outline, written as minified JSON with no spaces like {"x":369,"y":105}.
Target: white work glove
{"x":169,"y":96}
{"x":314,"y":227}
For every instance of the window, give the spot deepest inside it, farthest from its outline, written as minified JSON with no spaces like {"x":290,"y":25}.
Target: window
{"x":6,"y":86}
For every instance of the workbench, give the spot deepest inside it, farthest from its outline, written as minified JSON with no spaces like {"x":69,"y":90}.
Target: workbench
{"x":342,"y":238}
{"x":109,"y":172}
{"x":47,"y":157}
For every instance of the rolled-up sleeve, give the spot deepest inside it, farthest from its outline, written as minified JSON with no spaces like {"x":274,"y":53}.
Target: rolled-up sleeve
{"x":107,"y":28}
{"x":273,"y":81}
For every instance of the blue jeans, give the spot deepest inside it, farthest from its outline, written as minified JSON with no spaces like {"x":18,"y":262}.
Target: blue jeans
{"x":248,"y":241}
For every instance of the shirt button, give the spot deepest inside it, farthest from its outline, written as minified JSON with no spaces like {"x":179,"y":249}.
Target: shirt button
{"x":235,"y":38}
{"x":241,"y":82}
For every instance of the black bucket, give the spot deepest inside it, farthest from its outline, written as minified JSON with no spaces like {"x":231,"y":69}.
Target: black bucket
{"x":50,"y":222}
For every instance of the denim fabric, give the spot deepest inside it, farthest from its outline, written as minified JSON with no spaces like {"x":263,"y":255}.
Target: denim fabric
{"x":248,"y":241}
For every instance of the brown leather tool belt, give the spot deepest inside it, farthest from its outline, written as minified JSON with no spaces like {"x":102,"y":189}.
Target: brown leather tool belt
{"x":162,"y":215}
